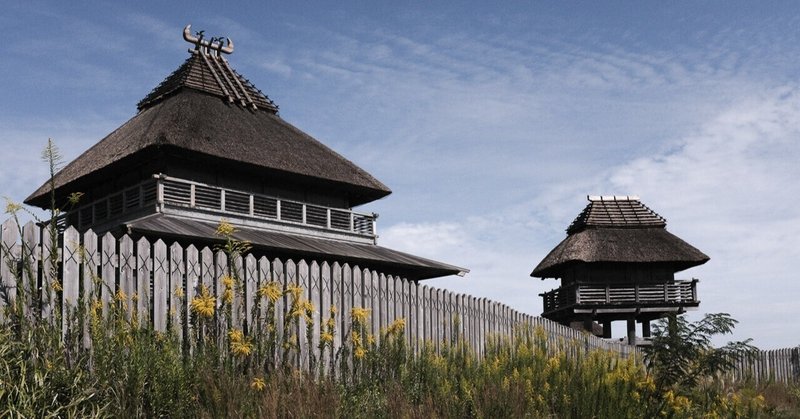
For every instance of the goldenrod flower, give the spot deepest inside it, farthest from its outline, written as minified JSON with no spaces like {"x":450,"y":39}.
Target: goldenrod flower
{"x":57,"y":286}
{"x":370,"y":339}
{"x":120,"y":295}
{"x":396,"y":327}
{"x":227,"y":296}
{"x":227,"y":280}
{"x":333,"y":310}
{"x":239,"y":345}
{"x":271,"y":290}
{"x":135,"y":297}
{"x":203,"y":304}
{"x":360,"y":353}
{"x":179,"y":292}
{"x":225,"y":229}
{"x":326,"y":337}
{"x":258,"y":384}
{"x":330,"y":323}
{"x":295,"y":291}
{"x":359,"y":314}
{"x":355,"y":338}
{"x":241,"y":348}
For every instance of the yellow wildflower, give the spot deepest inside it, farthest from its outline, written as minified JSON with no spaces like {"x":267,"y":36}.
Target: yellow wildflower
{"x":12,"y":207}
{"x":355,"y":338}
{"x":179,"y":292}
{"x":326,"y":337}
{"x":57,"y":286}
{"x":235,"y":335}
{"x":227,"y":280}
{"x":97,"y":305}
{"x":227,"y":296}
{"x":271,"y":290}
{"x":258,"y":384}
{"x":241,"y":348}
{"x":397,"y":327}
{"x":135,"y":297}
{"x":295,"y":291}
{"x":330,"y":323}
{"x":333,"y":310}
{"x":359,"y":314}
{"x":120,"y":295}
{"x":308,"y":309}
{"x":225,"y":229}
{"x":203,"y":304}
{"x":360,"y":353}
{"x":370,"y":339}
{"x":74,"y":198}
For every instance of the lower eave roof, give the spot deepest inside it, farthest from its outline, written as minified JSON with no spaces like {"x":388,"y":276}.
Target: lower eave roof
{"x":620,"y":245}
{"x":395,"y":262}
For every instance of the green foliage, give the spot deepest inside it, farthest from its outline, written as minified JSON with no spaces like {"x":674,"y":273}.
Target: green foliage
{"x":681,"y":354}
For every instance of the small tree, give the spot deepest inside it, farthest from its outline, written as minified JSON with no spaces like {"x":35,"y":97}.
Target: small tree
{"x":681,"y":352}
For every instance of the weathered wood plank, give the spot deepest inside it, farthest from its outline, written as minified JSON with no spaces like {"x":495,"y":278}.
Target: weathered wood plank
{"x":177,"y":290}
{"x":290,"y":270}
{"x":192,"y":287}
{"x":92,"y":282}
{"x":161,"y":287}
{"x":315,"y":296}
{"x":8,"y":281}
{"x":126,"y":295}
{"x":221,"y":272}
{"x":302,"y":281}
{"x":237,"y":305}
{"x":337,"y":300}
{"x":30,"y":269}
{"x":48,"y":296}
{"x":71,"y":251}
{"x":110,"y":262}
{"x":251,"y":281}
{"x":280,"y":307}
{"x":326,"y":298}
{"x":144,"y":270}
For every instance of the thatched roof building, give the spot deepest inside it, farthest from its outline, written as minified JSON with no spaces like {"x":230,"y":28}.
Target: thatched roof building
{"x":206,"y":112}
{"x":618,"y":262}
{"x":207,"y":145}
{"x":619,"y":230}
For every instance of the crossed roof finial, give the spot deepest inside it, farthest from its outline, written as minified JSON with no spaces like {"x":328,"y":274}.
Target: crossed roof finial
{"x":215,"y":44}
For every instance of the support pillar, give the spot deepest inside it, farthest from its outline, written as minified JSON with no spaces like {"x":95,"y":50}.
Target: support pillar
{"x":631,"y":331}
{"x":646,"y":328}
{"x":607,"y":329}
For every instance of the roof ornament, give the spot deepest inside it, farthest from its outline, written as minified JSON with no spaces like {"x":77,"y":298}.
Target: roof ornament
{"x":200,"y":44}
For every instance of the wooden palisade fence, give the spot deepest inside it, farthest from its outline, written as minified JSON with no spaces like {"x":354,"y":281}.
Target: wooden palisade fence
{"x":165,"y":278}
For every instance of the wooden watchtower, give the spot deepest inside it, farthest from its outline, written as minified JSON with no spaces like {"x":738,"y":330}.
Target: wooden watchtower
{"x":618,"y":262}
{"x":207,"y":145}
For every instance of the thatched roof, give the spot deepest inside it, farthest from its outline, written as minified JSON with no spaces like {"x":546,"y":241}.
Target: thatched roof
{"x":619,"y":230}
{"x":291,"y":245}
{"x":191,"y":112}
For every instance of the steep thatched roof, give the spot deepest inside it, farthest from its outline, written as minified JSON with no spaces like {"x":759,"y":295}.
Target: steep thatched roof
{"x":194,"y":111}
{"x":619,"y":230}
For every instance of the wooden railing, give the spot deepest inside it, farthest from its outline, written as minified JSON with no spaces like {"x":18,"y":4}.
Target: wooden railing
{"x":674,"y":293}
{"x":166,"y":191}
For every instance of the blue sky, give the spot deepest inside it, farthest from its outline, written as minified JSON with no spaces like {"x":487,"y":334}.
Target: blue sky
{"x":490,"y":123}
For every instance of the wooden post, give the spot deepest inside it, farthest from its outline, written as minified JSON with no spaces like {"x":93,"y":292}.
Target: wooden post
{"x":607,"y":329}
{"x":646,"y":328}
{"x":631,"y":332}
